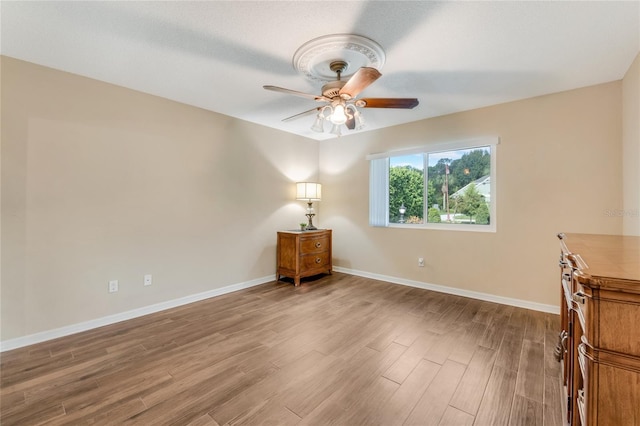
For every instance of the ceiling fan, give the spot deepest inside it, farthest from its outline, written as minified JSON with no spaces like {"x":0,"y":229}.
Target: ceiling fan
{"x":340,"y":99}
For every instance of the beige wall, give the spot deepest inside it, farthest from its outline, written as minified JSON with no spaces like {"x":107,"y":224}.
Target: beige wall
{"x":631,"y":149}
{"x":100,"y":182}
{"x":558,"y":170}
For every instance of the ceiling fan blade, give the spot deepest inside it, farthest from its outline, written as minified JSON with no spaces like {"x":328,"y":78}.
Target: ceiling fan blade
{"x":360,"y":81}
{"x":296,"y":93}
{"x":405,"y":103}
{"x":313,"y":110}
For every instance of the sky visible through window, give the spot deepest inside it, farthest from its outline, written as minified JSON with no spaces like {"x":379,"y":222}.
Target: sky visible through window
{"x":415,"y":160}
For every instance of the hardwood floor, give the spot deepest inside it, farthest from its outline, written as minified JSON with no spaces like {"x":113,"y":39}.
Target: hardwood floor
{"x":339,"y":350}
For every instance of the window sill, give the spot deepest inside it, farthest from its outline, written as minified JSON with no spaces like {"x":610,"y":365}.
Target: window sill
{"x":446,"y":227}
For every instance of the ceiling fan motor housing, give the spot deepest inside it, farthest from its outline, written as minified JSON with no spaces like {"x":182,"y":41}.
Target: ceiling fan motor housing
{"x":332,"y":89}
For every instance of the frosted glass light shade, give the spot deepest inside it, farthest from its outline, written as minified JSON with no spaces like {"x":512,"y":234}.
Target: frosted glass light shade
{"x":309,"y":191}
{"x":339,"y":116}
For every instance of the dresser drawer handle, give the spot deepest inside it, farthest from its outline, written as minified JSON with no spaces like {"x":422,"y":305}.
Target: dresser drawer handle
{"x":318,"y":244}
{"x":318,"y":260}
{"x":579,"y":297}
{"x":561,"y":346}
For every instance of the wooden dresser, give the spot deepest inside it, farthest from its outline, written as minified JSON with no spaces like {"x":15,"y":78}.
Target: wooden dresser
{"x":600,"y":338}
{"x":303,"y":254}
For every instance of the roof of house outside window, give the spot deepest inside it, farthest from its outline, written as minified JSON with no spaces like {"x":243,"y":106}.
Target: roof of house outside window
{"x":483,"y":186}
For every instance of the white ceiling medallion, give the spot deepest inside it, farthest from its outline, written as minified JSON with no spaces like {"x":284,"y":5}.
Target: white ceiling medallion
{"x":314,"y":58}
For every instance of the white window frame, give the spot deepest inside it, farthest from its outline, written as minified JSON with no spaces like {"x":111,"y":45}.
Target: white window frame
{"x":379,"y":185}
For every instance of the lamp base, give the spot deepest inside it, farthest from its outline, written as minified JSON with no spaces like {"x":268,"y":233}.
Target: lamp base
{"x":310,"y":226}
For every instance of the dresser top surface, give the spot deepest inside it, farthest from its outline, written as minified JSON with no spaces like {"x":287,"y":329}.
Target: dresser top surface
{"x":298,"y":231}
{"x":606,"y":256}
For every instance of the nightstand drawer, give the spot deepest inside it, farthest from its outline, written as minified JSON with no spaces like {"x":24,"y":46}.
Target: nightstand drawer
{"x":311,"y":261}
{"x":313,"y":245}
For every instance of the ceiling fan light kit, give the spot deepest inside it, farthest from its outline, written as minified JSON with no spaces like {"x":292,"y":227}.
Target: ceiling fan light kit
{"x":341,"y":55}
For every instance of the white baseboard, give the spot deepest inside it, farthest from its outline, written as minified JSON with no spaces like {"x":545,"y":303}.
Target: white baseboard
{"x":552,"y":309}
{"x":123,"y":316}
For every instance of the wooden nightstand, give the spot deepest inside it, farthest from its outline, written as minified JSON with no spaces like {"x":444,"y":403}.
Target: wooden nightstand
{"x":303,"y":254}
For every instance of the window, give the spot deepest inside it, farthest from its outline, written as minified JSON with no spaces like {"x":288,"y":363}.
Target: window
{"x":445,"y":186}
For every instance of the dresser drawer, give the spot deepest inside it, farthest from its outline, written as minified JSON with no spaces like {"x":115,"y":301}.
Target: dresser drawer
{"x":314,"y":245}
{"x":618,"y":317}
{"x":605,"y":316}
{"x":607,"y":387}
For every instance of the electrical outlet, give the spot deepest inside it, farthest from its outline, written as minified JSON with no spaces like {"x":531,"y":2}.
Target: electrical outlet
{"x":421,"y":262}
{"x":147,"y":279}
{"x":113,"y":286}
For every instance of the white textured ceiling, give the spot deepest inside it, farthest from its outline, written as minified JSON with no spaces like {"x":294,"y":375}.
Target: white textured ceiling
{"x":217,"y":55}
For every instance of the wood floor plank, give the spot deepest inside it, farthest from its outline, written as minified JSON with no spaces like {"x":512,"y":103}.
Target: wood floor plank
{"x":388,"y":333}
{"x":469,"y":312}
{"x":530,"y":382}
{"x":454,"y":417}
{"x":518,"y":321}
{"x":494,"y":333}
{"x":526,"y":412}
{"x":535,"y":330}
{"x":350,"y":391}
{"x":184,"y":404}
{"x":486,"y":313}
{"x":268,"y":412}
{"x":271,"y":386}
{"x":408,"y":361}
{"x":396,"y":410}
{"x":469,"y":392}
{"x":510,"y":350}
{"x":552,"y":413}
{"x":495,"y":407}
{"x":366,"y":374}
{"x":34,"y":415}
{"x":116,"y":414}
{"x":313,"y":391}
{"x":11,"y":400}
{"x":338,"y":349}
{"x":435,"y":400}
{"x":363,"y":412}
{"x":204,"y":420}
{"x":414,"y":327}
{"x":447,"y":344}
{"x":467,"y":343}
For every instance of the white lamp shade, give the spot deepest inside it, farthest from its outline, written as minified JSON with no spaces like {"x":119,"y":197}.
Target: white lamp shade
{"x":310,"y":191}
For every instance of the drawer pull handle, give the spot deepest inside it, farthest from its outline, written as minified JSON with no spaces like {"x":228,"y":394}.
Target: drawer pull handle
{"x":318,"y":244}
{"x":579,"y":297}
{"x":318,"y":260}
{"x":561,"y":346}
